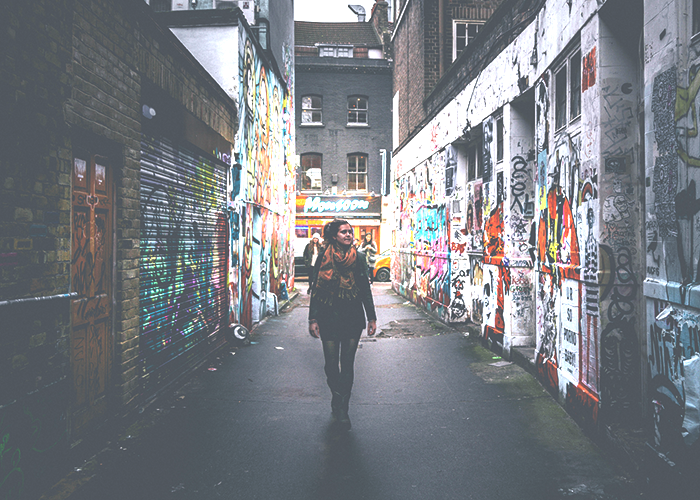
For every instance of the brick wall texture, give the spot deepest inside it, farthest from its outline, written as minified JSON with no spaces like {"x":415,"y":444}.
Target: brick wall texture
{"x":417,"y":52}
{"x":335,"y":140}
{"x":72,"y":73}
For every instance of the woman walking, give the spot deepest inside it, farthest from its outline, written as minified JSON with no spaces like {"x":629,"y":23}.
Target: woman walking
{"x":311,"y":253}
{"x":340,"y":300}
{"x":369,"y":247}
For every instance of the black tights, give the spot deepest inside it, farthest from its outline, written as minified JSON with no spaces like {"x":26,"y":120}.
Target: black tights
{"x":340,"y":361}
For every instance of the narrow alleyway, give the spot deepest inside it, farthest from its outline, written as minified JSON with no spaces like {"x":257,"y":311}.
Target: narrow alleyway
{"x":434,"y":414}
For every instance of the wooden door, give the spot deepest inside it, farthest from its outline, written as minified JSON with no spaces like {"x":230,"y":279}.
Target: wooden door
{"x":91,"y":276}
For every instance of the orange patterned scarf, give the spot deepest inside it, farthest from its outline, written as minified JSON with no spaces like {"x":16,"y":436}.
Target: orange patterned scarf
{"x":336,"y":277}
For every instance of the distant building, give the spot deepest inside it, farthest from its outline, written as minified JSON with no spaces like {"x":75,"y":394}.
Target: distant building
{"x":343,"y":117}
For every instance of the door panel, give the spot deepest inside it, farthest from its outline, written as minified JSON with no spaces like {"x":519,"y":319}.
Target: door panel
{"x":91,"y":273}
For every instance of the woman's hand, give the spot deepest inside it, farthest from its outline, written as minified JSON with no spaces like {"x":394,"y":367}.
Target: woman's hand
{"x":313,"y":329}
{"x":371,"y":327}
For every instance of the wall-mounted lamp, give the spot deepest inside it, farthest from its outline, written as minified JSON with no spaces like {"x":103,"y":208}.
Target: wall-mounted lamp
{"x":148,"y":112}
{"x":466,"y":132}
{"x":523,"y":83}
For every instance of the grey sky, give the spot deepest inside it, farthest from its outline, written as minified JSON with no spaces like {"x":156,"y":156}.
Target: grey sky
{"x":329,"y":10}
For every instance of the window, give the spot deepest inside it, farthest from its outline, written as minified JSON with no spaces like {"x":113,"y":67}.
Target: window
{"x":311,"y":110}
{"x":357,"y":172}
{"x":311,"y":172}
{"x":567,"y":90}
{"x":560,"y":98}
{"x":463,"y":33}
{"x":575,"y":85}
{"x":499,"y":139}
{"x":474,"y":170}
{"x":335,"y":50}
{"x":357,"y":110}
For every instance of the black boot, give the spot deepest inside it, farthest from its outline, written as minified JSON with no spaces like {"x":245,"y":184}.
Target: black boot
{"x":343,"y":418}
{"x":336,"y":404}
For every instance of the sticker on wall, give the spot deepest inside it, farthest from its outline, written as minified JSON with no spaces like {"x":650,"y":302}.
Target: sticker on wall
{"x":569,"y":331}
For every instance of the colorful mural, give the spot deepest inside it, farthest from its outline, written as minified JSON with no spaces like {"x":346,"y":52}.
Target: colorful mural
{"x":423,"y":236}
{"x":261,"y":191}
{"x":556,"y":250}
{"x":183,"y":257}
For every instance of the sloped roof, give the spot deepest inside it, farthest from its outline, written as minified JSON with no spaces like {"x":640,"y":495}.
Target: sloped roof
{"x":358,"y":34}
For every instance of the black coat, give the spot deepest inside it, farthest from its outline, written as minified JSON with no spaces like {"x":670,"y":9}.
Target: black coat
{"x":354,"y":314}
{"x":309,"y":252}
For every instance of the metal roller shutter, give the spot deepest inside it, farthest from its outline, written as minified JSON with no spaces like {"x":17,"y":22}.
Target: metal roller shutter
{"x":183,"y":259}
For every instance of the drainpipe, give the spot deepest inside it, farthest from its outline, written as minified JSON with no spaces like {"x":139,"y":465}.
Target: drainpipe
{"x":38,"y":299}
{"x":441,"y":36}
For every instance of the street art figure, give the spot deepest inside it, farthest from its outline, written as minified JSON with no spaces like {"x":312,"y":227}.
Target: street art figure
{"x":558,"y":248}
{"x":497,"y":271}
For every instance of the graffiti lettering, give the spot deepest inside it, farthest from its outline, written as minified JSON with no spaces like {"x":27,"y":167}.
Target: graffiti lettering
{"x":589,"y":70}
{"x":521,"y":178}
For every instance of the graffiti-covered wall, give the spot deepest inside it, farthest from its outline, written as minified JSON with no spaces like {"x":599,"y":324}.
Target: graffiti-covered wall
{"x":672,"y":81}
{"x":260,"y":189}
{"x":422,"y":238}
{"x":588,"y":232}
{"x":546,"y":255}
{"x":183,"y":255}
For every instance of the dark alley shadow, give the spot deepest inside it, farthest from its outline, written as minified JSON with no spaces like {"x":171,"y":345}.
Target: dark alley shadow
{"x":343,"y":475}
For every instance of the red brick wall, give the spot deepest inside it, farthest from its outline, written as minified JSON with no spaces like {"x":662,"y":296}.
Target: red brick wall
{"x":305,"y":51}
{"x":417,"y":52}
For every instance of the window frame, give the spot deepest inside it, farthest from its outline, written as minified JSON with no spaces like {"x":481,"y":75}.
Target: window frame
{"x":357,"y":111}
{"x":330,"y":50}
{"x":475,"y":168}
{"x":567,"y":92}
{"x":467,"y":40}
{"x":304,"y":168}
{"x":575,"y":73}
{"x":312,"y":109}
{"x":357,"y":173}
{"x":561,"y":97}
{"x":500,"y":132}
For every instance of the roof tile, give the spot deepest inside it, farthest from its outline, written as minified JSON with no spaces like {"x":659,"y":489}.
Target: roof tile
{"x":355,"y":34}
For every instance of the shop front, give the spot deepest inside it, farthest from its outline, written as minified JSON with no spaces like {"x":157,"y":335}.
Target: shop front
{"x":314,"y":211}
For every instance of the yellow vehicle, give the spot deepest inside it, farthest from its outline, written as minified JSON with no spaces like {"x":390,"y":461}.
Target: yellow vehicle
{"x":382,"y":267}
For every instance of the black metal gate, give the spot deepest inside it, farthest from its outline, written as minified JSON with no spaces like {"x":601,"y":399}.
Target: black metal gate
{"x":183,"y":259}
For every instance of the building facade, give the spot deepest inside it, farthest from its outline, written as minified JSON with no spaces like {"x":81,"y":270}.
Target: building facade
{"x":669,"y":63}
{"x":343,"y":116}
{"x":146,"y":207}
{"x":260,"y":186}
{"x":548,"y":195}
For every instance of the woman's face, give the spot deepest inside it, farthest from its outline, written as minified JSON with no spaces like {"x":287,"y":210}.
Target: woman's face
{"x":345,"y":235}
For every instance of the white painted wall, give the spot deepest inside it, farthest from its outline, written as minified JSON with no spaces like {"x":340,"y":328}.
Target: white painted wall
{"x":216,"y":48}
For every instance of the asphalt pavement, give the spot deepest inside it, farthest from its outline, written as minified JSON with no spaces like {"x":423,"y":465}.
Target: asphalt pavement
{"x":434,"y":414}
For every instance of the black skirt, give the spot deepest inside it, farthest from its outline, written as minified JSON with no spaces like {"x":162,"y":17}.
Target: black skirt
{"x":342,"y":321}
